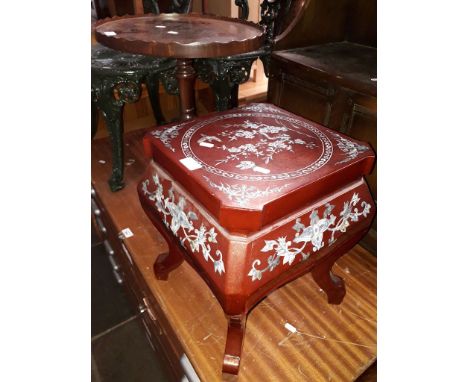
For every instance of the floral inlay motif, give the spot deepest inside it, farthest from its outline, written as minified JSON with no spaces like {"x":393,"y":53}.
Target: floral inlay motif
{"x":350,"y":149}
{"x":270,"y":140}
{"x":181,"y":223}
{"x":260,"y":107}
{"x":234,"y":139}
{"x":166,"y":135}
{"x":242,"y":193}
{"x":313,"y":233}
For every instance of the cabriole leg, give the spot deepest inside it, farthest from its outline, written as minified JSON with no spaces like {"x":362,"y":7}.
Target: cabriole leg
{"x":332,"y":284}
{"x":233,"y":350}
{"x":167,"y":262}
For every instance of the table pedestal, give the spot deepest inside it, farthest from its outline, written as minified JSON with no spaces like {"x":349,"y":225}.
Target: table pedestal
{"x":186,"y":75}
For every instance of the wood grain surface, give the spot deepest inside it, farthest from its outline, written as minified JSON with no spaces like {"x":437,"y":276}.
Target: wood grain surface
{"x":332,"y":343}
{"x":179,"y":35}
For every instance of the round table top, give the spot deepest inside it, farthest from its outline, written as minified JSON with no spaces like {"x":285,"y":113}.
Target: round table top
{"x":180,"y":35}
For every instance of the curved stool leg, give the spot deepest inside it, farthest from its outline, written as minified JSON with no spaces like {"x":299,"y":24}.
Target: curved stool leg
{"x":233,"y":350}
{"x":152,"y":85}
{"x":167,"y":262}
{"x":112,"y":113}
{"x":332,"y":284}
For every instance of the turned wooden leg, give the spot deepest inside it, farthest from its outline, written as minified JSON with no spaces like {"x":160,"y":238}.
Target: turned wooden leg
{"x":233,"y":350}
{"x":332,"y":284}
{"x":185,"y":74}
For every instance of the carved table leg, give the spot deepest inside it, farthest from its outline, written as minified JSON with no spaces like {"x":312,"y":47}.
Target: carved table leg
{"x":332,"y":284}
{"x":185,"y":74}
{"x":233,"y":350}
{"x":113,"y":116}
{"x":152,"y":85}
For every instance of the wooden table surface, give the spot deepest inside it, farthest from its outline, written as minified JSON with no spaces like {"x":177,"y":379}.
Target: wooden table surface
{"x":332,"y":343}
{"x":180,"y":35}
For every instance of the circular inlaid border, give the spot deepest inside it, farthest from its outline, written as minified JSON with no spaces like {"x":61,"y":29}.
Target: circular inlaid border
{"x":327,"y":148}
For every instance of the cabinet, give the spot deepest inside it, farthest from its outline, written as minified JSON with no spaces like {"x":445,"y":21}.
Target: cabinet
{"x":324,"y":68}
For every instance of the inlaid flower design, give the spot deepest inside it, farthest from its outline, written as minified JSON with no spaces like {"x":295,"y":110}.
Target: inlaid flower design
{"x":166,"y":135}
{"x":286,"y":250}
{"x":266,"y":141}
{"x":181,"y":223}
{"x":350,"y":149}
{"x":243,"y":193}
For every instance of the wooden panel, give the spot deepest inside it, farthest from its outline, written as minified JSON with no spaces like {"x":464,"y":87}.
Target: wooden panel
{"x":288,"y":89}
{"x":316,"y":95}
{"x":319,"y":22}
{"x":361,"y":24}
{"x":332,"y":343}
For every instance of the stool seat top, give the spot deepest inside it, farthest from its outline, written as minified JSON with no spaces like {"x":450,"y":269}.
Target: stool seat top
{"x":255,"y":164}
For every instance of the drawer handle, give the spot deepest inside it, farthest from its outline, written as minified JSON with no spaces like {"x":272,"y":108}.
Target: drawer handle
{"x":101,"y":225}
{"x":95,"y":208}
{"x":118,"y":277}
{"x":93,"y":192}
{"x":148,"y":309}
{"x":108,"y":248}
{"x":115,"y":266}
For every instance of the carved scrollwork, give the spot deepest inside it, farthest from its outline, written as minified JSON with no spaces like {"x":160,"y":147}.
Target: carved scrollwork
{"x":115,"y":90}
{"x":233,"y":71}
{"x":127,"y":91}
{"x":224,"y":76}
{"x":244,"y":8}
{"x":169,"y":81}
{"x":269,"y":10}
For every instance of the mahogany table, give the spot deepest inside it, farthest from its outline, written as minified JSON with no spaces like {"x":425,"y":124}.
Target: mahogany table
{"x":181,"y":36}
{"x":253,"y":198}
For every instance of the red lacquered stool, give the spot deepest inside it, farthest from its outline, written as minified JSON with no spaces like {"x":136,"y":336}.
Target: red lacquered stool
{"x":253,"y":198}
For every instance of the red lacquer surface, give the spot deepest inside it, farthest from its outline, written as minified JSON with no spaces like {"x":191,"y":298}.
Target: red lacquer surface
{"x":260,"y":198}
{"x":256,"y":164}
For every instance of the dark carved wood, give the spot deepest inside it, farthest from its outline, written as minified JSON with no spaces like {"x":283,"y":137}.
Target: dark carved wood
{"x":224,"y":75}
{"x":116,"y":78}
{"x":197,"y":36}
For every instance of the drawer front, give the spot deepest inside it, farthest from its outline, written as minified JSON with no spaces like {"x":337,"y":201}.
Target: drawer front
{"x":158,"y":330}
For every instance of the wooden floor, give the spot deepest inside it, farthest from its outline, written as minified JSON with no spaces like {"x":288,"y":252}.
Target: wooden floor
{"x":332,"y":343}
